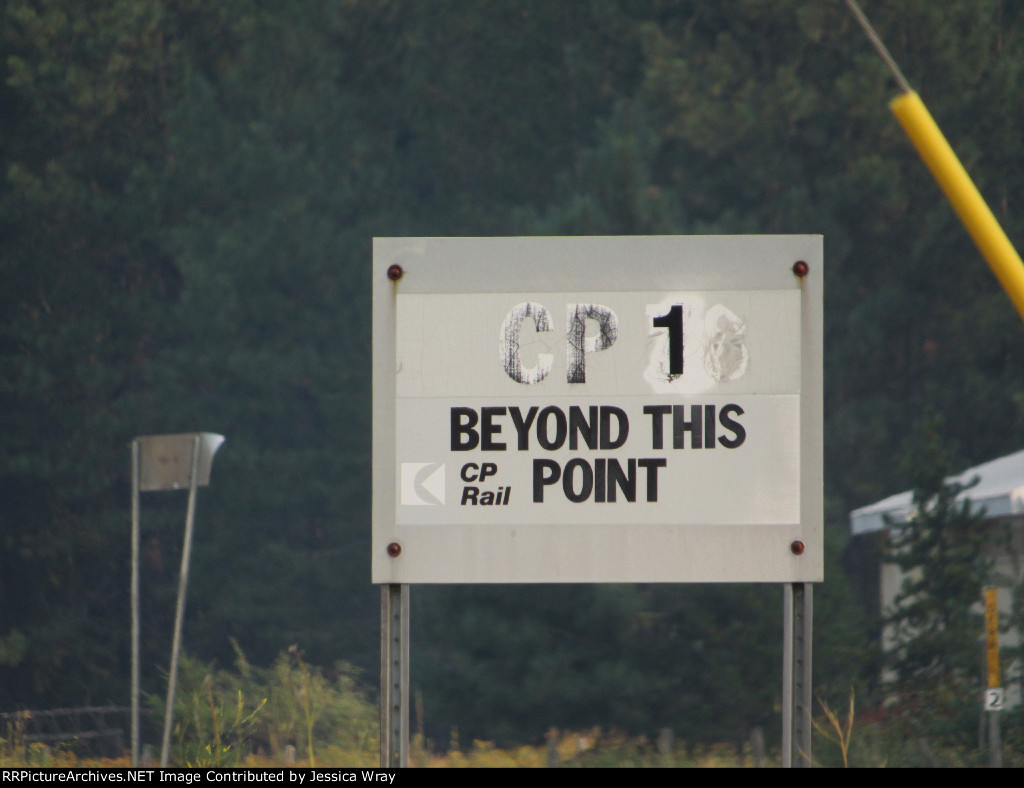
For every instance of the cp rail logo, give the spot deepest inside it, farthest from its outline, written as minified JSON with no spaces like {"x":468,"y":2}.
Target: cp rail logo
{"x":422,"y":484}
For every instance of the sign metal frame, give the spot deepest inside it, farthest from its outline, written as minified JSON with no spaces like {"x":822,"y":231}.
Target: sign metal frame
{"x":785,"y":269}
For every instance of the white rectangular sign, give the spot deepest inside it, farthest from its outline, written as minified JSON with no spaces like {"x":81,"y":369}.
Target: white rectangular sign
{"x":617,"y":409}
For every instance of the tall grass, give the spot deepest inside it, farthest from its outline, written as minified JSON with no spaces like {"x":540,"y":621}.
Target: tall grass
{"x":836,"y":732}
{"x":15,"y":750}
{"x":224,"y":718}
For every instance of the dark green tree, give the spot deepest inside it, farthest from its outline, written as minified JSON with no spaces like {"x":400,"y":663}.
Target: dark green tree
{"x":934,"y":627}
{"x":85,"y":285}
{"x":189,"y":191}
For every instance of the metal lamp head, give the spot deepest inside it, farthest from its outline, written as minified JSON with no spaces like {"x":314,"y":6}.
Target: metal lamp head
{"x":166,"y":460}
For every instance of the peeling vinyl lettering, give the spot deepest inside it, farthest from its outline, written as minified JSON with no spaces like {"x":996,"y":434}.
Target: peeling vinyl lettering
{"x":509,"y":343}
{"x":725,"y":354}
{"x":579,"y":344}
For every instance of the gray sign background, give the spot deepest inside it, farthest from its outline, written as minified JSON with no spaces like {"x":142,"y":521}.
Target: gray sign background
{"x":731,"y":514}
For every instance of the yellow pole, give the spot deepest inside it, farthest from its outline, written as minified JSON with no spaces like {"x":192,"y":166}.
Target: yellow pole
{"x":961,"y":192}
{"x":992,"y":637}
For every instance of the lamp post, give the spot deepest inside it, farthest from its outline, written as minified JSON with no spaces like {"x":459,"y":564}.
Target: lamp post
{"x":166,"y":462}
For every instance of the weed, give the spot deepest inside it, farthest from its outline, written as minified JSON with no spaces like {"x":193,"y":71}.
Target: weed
{"x":208,"y":737}
{"x":836,"y":732}
{"x":300,"y":710}
{"x":16,"y":750}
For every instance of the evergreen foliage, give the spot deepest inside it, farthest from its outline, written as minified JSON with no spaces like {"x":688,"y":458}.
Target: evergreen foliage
{"x":188,"y":194}
{"x":935,"y":648}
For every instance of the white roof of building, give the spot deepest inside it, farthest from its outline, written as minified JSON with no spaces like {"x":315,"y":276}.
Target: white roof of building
{"x":999,"y":491}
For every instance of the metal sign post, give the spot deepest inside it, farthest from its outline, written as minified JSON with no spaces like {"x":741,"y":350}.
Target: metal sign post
{"x":179,"y":609}
{"x":165,"y":462}
{"x":134,"y":591}
{"x":994,"y":692}
{"x":796,"y":675}
{"x":619,"y":409}
{"x":394,"y":671}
